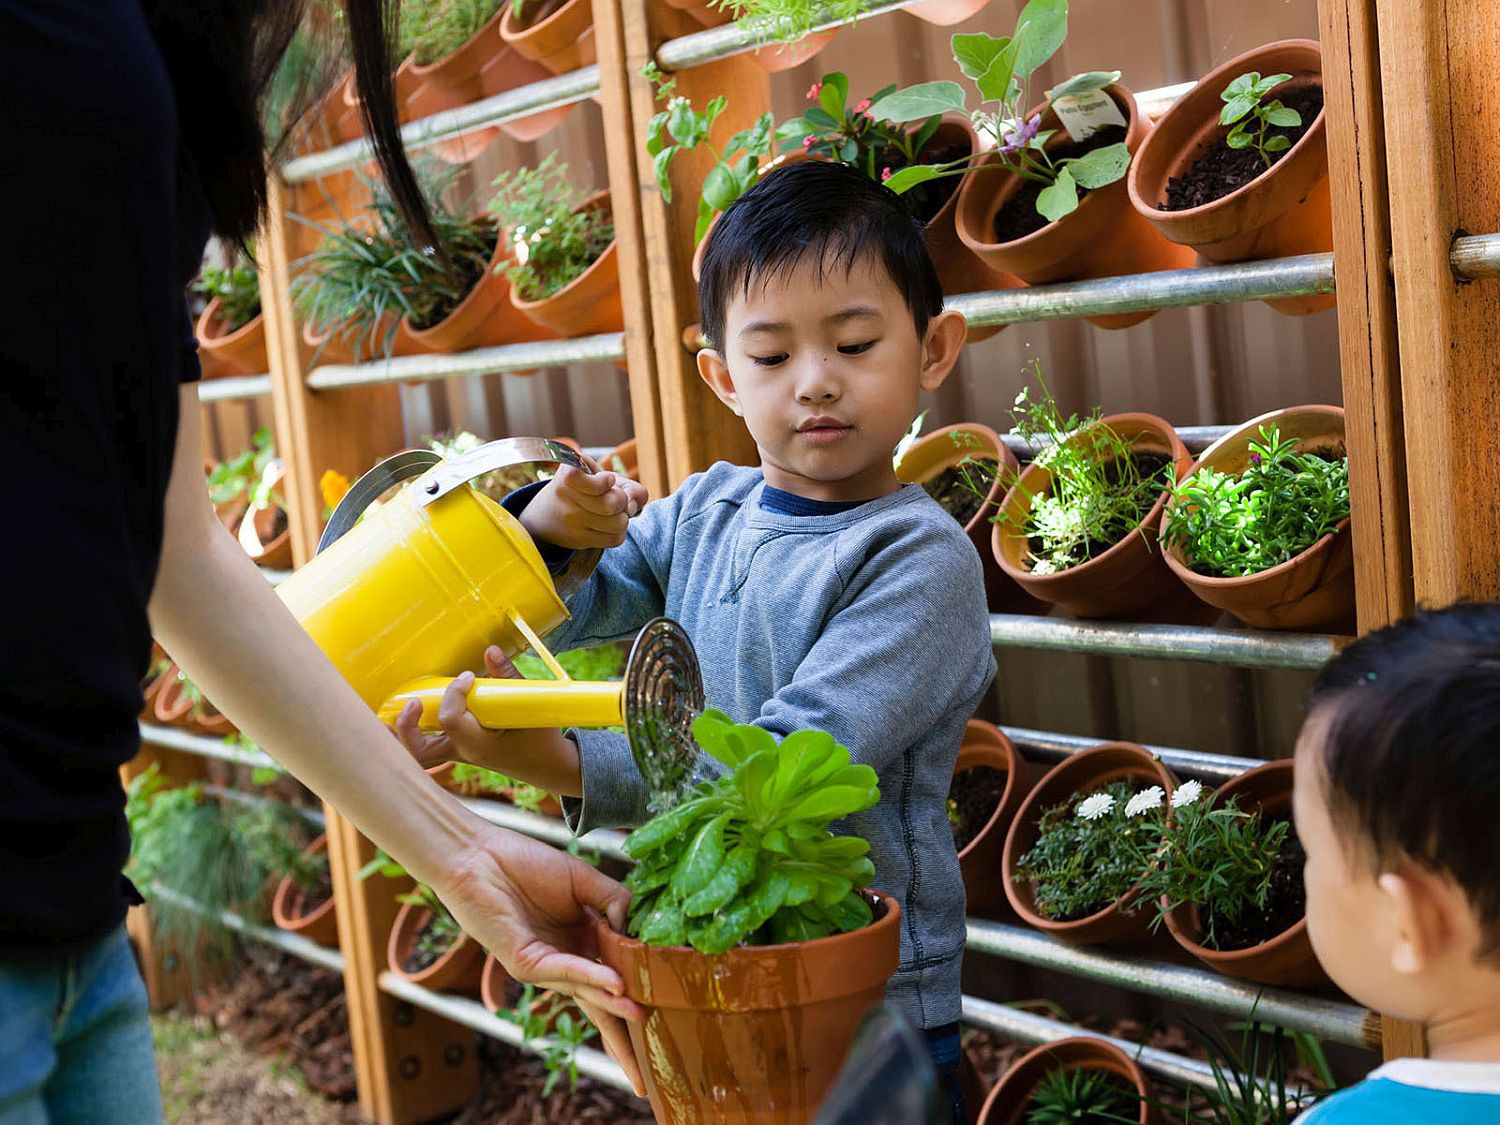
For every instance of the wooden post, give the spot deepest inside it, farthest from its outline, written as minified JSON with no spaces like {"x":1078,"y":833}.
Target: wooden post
{"x":410,"y":1065}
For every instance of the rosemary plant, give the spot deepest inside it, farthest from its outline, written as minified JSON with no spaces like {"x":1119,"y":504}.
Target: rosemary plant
{"x":1070,"y":1095}
{"x":554,"y":243}
{"x":433,"y":29}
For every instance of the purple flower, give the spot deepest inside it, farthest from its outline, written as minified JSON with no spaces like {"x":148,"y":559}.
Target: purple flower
{"x":1255,"y":458}
{"x":1017,"y":139}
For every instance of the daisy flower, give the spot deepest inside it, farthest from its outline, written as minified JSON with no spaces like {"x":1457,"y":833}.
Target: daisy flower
{"x":1144,"y":801}
{"x":1186,"y":794}
{"x":1092,"y":808}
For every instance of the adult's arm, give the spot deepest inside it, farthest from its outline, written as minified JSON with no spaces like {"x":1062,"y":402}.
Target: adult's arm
{"x":529,"y":904}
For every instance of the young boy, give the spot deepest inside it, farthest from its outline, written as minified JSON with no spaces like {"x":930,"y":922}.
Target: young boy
{"x":818,"y":591}
{"x":1398,"y":790}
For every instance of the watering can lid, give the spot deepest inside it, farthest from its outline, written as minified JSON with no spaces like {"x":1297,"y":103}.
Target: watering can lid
{"x":440,"y":477}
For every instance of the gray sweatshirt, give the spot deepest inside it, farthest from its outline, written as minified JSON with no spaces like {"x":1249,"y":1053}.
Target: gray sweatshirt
{"x":868,"y":623}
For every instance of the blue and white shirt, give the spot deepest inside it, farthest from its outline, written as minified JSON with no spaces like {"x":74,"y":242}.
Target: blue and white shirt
{"x":1416,"y":1092}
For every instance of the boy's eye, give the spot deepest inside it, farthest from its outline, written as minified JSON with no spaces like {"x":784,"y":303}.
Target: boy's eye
{"x":855,"y":349}
{"x":769,"y":360}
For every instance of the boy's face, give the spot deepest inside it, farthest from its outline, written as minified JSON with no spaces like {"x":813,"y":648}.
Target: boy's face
{"x":825,"y":370}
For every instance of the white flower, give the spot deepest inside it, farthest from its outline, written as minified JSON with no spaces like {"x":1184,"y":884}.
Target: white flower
{"x":1186,"y":794}
{"x":1144,"y":801}
{"x":1092,"y":808}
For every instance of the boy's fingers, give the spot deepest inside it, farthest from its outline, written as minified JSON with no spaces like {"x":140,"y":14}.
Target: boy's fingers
{"x":635,"y":495}
{"x":589,"y":484}
{"x":498,"y":665}
{"x":455,"y":702}
{"x":611,"y":503}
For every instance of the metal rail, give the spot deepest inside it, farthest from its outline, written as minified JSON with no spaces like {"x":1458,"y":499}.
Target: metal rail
{"x":1241,"y":647}
{"x":474,"y":1015}
{"x":250,"y":800}
{"x":1476,"y":256}
{"x":608,"y":347}
{"x":1196,"y":438}
{"x":547,"y":828}
{"x":1049,"y":746}
{"x":562,"y":89}
{"x":204,"y":746}
{"x":1332,"y":1020}
{"x":295,"y":944}
{"x":233,"y":387}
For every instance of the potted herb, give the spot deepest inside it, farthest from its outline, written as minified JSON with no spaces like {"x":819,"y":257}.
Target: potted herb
{"x":1260,"y":525}
{"x":231,"y":331}
{"x":1071,"y":1080}
{"x":180,"y":703}
{"x":1237,"y":168}
{"x":304,"y":902}
{"x":1072,"y":862}
{"x":785,"y":27}
{"x":552,"y":1026}
{"x":1050,"y":203}
{"x":265,"y":530}
{"x":966,"y":468}
{"x":558,"y":34}
{"x":740,"y":887}
{"x":154,"y":681}
{"x":1079,"y":527}
{"x":427,"y":946}
{"x":231,"y":481}
{"x":565,"y":274}
{"x":990,"y":780}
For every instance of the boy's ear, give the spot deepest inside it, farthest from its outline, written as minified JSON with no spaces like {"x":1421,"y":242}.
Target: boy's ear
{"x":715,"y":373}
{"x":1421,"y":918}
{"x":945,"y":339}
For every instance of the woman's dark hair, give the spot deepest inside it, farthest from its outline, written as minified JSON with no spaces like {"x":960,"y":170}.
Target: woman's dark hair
{"x":831,"y":210}
{"x":222,"y":55}
{"x":1411,"y":747}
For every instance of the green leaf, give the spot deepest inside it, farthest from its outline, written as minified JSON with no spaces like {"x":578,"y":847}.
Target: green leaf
{"x":851,"y":912}
{"x":994,"y":83}
{"x":1058,"y":198}
{"x":916,"y":103}
{"x":1100,"y":167}
{"x":702,"y":859}
{"x":834,"y":95}
{"x":1239,"y":139}
{"x":654,"y":142}
{"x":663,"y":165}
{"x":789,"y":133}
{"x":1278,"y":144}
{"x":1085,"y":83}
{"x":822,"y":119}
{"x":659,"y":830}
{"x":725,"y":884}
{"x":1278,"y":114}
{"x":832,"y":803}
{"x":850,"y":152}
{"x":974,"y":53}
{"x":1242,"y":87}
{"x":664,"y":926}
{"x":720,"y":187}
{"x":910,"y":176}
{"x":682,"y":123}
{"x":1041,"y":29}
{"x":1235,"y":109}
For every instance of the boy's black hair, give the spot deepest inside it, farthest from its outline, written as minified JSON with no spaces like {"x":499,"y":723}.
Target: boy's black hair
{"x":815,"y":207}
{"x":1411,"y":753}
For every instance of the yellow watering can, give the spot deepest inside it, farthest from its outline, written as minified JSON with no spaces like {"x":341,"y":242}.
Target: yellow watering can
{"x":409,"y":596}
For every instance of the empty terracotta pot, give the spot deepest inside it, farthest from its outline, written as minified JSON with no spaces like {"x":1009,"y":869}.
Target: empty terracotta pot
{"x":1283,"y":211}
{"x":457,"y":970}
{"x":290,"y":910}
{"x":757,"y":1034}
{"x":1104,"y":237}
{"x":1287,"y":959}
{"x":1131,"y":579}
{"x":558,"y":36}
{"x":930,"y":456}
{"x":1010,"y":1101}
{"x":986,"y":745}
{"x":1312,"y":591}
{"x":1125,"y":919}
{"x":235,"y":351}
{"x":590,"y":303}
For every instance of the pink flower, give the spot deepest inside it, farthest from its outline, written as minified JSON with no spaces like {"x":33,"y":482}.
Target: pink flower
{"x":885,"y":174}
{"x":863,"y":105}
{"x":814,"y":90}
{"x":808,"y":141}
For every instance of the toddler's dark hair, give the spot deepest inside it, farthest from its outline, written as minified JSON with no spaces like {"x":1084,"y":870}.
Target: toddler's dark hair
{"x":815,"y":207}
{"x":1411,"y":754}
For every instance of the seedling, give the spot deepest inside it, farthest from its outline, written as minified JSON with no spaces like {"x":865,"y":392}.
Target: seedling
{"x":1246,"y":109}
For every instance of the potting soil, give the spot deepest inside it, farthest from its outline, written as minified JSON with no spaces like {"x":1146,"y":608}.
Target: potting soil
{"x":972,"y":797}
{"x":1221,"y":169}
{"x":1286,"y":903}
{"x":1019,"y":217}
{"x":927,"y":199}
{"x":957,"y":498}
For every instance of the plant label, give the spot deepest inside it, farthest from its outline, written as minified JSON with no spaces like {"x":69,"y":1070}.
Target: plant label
{"x":1083,"y":115}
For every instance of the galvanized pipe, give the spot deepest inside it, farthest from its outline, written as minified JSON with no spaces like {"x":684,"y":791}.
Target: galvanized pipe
{"x":1196,"y":438}
{"x":548,"y":828}
{"x":250,"y":800}
{"x":608,"y":347}
{"x":295,"y":944}
{"x":1242,"y":647}
{"x":1048,"y":746}
{"x":562,"y":89}
{"x":234,"y":387}
{"x":154,"y":734}
{"x":474,"y":1015}
{"x":734,"y":39}
{"x":1327,"y":1019}
{"x":1475,"y":256}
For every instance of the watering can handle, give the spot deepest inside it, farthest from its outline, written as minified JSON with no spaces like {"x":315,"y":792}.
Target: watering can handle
{"x":441,"y":477}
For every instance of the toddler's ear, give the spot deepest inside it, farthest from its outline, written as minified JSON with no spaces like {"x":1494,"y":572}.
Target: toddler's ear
{"x":1421,"y":916}
{"x":715,"y":373}
{"x":940,"y":348}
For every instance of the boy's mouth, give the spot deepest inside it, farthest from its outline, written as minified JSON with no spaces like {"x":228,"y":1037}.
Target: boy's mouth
{"x":822,"y":430}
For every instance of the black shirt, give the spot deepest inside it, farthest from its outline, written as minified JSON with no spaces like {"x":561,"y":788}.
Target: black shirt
{"x":105,"y":224}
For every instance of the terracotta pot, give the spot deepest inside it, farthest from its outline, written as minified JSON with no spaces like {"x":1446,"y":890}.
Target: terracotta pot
{"x":493,"y":980}
{"x":702,"y":11}
{"x":1283,"y":211}
{"x":406,"y":86}
{"x":172,"y":706}
{"x":561,"y":41}
{"x":986,"y":745}
{"x":152,"y":685}
{"x":1077,"y":776}
{"x":329,"y":347}
{"x":945,"y":13}
{"x":485,"y":318}
{"x":773,"y":58}
{"x":1286,"y":960}
{"x":325,"y":347}
{"x":1010,"y":1101}
{"x":333,"y":121}
{"x":239,"y":351}
{"x":623,"y":455}
{"x":258,"y":534}
{"x":457,"y":970}
{"x":289,"y":908}
{"x":1104,"y":237}
{"x":1131,"y":579}
{"x":975,"y":1089}
{"x":590,"y":303}
{"x":757,"y":1034}
{"x":929,"y":456}
{"x":1313,"y":591}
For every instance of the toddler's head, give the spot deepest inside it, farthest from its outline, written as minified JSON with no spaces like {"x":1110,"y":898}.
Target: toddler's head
{"x":1398,"y":805}
{"x":824,"y":320}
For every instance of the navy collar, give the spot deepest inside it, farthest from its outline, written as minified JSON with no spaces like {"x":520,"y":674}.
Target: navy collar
{"x":790,"y":504}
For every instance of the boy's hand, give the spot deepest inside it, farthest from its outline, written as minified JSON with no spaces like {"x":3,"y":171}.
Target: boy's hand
{"x":579,"y":509}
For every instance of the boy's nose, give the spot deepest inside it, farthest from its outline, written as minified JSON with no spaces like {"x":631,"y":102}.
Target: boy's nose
{"x":816,"y":381}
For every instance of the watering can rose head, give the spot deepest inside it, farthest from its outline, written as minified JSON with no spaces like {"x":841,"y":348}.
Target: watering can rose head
{"x":749,"y":858}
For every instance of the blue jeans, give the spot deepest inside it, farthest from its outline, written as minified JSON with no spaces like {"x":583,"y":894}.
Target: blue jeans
{"x":946,"y":1046}
{"x":75,"y":1043}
